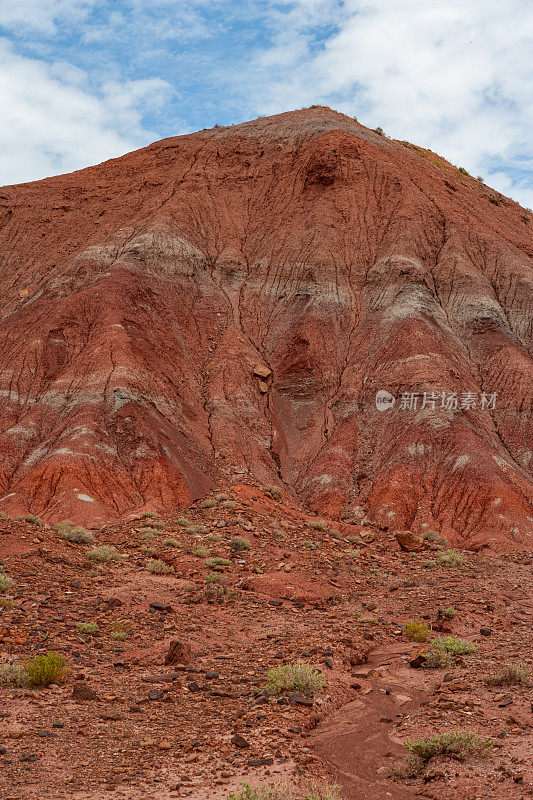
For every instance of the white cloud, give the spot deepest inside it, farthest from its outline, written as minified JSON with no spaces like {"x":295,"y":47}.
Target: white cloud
{"x":52,"y":122}
{"x":453,"y":76}
{"x":42,"y":15}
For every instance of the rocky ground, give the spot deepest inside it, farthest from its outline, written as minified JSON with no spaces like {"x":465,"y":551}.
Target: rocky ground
{"x":125,"y":724}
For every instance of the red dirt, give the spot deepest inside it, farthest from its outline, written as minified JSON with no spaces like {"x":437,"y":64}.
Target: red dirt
{"x":98,"y":733}
{"x":139,"y":296}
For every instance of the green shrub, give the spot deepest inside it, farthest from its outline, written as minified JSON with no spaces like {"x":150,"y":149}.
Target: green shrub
{"x":171,"y":543}
{"x":318,"y":525}
{"x":214,"y":577}
{"x":200,"y":551}
{"x":449,"y":558}
{"x":12,"y":675}
{"x":238,"y":544}
{"x":209,"y":502}
{"x":324,"y":791}
{"x":77,"y":534}
{"x":217,"y":561}
{"x":462,"y":170}
{"x":457,"y":745}
{"x":88,"y":627}
{"x":183,"y":522}
{"x":379,"y":130}
{"x":300,"y":676}
{"x":417,"y":631}
{"x":148,"y":533}
{"x":446,"y":649}
{"x":104,"y":554}
{"x":148,"y":515}
{"x":6,"y":583}
{"x":511,"y":675}
{"x":44,"y":669}
{"x":449,"y":613}
{"x":213,"y":537}
{"x":34,"y":520}
{"x":263,"y":792}
{"x":197,"y":529}
{"x":158,"y":567}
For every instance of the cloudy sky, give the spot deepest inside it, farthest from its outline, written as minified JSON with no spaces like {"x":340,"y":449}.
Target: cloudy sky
{"x":86,"y":80}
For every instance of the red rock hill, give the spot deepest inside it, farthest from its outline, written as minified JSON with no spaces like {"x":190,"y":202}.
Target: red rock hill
{"x":138,"y":297}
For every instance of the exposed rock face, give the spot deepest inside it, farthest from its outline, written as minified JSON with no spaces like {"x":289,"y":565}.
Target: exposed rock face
{"x":139,"y":296}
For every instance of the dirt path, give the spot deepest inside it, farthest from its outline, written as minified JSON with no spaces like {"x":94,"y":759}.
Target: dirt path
{"x":358,"y":742}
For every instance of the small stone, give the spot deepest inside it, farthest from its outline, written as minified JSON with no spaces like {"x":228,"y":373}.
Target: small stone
{"x":240,"y":741}
{"x":157,"y":606}
{"x":260,"y":371}
{"x":409,"y":542}
{"x":211,"y":674}
{"x":300,"y":699}
{"x":80,"y":691}
{"x":178,"y":653}
{"x":155,"y":694}
{"x":15,"y":732}
{"x":164,"y":744}
{"x":485,"y":631}
{"x":385,"y":719}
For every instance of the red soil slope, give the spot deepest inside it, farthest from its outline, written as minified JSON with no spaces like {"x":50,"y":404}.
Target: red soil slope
{"x":138,"y":296}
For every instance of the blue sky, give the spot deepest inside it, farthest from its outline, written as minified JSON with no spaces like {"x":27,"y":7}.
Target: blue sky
{"x":86,"y":80}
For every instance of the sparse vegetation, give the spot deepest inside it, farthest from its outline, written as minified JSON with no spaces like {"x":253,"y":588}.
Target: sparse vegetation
{"x":228,"y":504}
{"x":104,"y":554}
{"x":90,"y":628}
{"x":148,"y":533}
{"x":324,"y":791}
{"x":449,"y":613}
{"x":217,"y":561}
{"x":379,"y":130}
{"x":456,"y":744}
{"x":44,"y":669}
{"x":238,"y":544}
{"x":463,"y":171}
{"x":197,"y":529}
{"x":121,"y":630}
{"x":446,"y":649}
{"x":263,"y":792}
{"x":34,"y":520}
{"x":75,"y":534}
{"x":171,"y":543}
{"x":158,"y":567}
{"x":12,"y":675}
{"x":209,"y":502}
{"x":511,"y":675}
{"x":6,"y":583}
{"x":300,"y":676}
{"x":318,"y":525}
{"x":183,"y":522}
{"x":449,"y":558}
{"x":417,"y":630}
{"x":200,"y":551}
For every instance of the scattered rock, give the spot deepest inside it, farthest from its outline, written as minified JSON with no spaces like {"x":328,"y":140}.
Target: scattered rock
{"x":178,"y":653}
{"x":409,"y":542}
{"x":80,"y":692}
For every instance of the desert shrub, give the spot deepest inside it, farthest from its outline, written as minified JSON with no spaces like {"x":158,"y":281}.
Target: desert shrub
{"x":104,"y":554}
{"x":183,"y":522}
{"x":353,"y":553}
{"x":121,"y":630}
{"x":300,"y":676}
{"x":263,"y":792}
{"x":200,"y":551}
{"x":432,"y":536}
{"x":75,"y":534}
{"x":6,"y":583}
{"x":213,"y":537}
{"x":511,"y":675}
{"x":318,"y":525}
{"x":238,"y":544}
{"x":309,"y":545}
{"x":6,"y":602}
{"x":457,"y":745}
{"x":12,"y":675}
{"x":209,"y":502}
{"x":417,"y":630}
{"x":379,"y":130}
{"x":273,"y":491}
{"x":171,"y":543}
{"x":462,"y":170}
{"x":148,"y":533}
{"x":216,"y":593}
{"x":217,"y":561}
{"x":44,"y":669}
{"x":214,"y":577}
{"x":335,"y":533}
{"x":449,"y":613}
{"x":446,"y":649}
{"x":33,"y":519}
{"x":449,"y":558}
{"x":148,"y":551}
{"x":148,"y":515}
{"x":324,"y":791}
{"x":229,"y":504}
{"x":221,"y":497}
{"x":197,"y":529}
{"x":158,"y":567}
{"x":88,"y":627}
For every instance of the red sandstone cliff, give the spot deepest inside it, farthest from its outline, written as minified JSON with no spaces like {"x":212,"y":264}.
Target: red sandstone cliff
{"x":137,"y":297}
